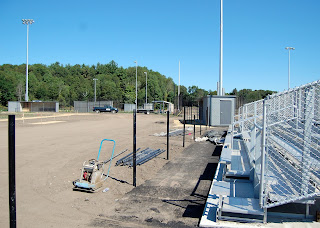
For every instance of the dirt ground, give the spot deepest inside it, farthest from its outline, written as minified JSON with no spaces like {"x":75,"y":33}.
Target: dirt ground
{"x":49,"y":156}
{"x":50,"y":151}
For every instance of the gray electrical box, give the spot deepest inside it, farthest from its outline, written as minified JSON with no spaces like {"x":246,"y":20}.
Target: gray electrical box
{"x":218,"y":110}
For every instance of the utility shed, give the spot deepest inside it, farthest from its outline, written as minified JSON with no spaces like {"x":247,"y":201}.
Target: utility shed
{"x":218,"y":110}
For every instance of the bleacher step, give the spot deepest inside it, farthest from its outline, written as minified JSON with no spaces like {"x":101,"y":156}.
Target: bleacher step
{"x":240,"y":219}
{"x":249,"y":206}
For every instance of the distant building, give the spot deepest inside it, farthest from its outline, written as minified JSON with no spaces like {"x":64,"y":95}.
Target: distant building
{"x":33,"y":106}
{"x":217,"y":110}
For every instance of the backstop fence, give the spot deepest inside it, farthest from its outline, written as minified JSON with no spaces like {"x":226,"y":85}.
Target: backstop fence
{"x":282,"y":136}
{"x":87,"y":106}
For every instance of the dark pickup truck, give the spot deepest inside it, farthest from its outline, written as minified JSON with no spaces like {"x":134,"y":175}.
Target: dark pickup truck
{"x":106,"y":108}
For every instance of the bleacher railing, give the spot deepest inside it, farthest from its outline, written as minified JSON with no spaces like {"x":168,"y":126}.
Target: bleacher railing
{"x":282,"y":135}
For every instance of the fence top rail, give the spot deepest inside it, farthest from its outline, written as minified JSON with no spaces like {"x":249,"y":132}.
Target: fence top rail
{"x":284,"y":92}
{"x":295,"y":89}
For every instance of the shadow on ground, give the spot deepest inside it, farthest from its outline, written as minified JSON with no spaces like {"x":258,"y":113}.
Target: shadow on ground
{"x":175,"y":197}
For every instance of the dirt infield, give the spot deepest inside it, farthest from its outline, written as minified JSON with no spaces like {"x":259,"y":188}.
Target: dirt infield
{"x":49,"y":156}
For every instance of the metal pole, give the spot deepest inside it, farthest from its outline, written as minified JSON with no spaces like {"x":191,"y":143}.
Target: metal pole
{"x":200,"y":128}
{"x":210,"y":111}
{"x":95,"y":90}
{"x":207,"y":117}
{"x":168,"y":135}
{"x":136,"y":84}
{"x":197,"y":112}
{"x":187,"y":112}
{"x":242,"y":123}
{"x":27,"y":79}
{"x":289,"y":71}
{"x":146,"y":87}
{"x":179,"y":89}
{"x":12,"y":174}
{"x":299,"y":108}
{"x":254,"y":136}
{"x":263,"y":153}
{"x":134,"y":148}
{"x":174,"y":100}
{"x":27,"y":22}
{"x":184,"y":124}
{"x":194,"y":127}
{"x":289,"y":48}
{"x":221,"y":50}
{"x":306,"y":163}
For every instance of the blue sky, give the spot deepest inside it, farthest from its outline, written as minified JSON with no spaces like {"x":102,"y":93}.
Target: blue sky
{"x":160,"y":33}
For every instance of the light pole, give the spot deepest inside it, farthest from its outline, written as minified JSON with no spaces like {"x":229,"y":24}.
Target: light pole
{"x":27,"y":22}
{"x":95,"y":97}
{"x":146,"y":87}
{"x":220,"y":93}
{"x":289,"y":48}
{"x":179,"y":89}
{"x":136,"y":84}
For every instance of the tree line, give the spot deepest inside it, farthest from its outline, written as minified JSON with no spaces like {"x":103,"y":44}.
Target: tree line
{"x":66,"y":83}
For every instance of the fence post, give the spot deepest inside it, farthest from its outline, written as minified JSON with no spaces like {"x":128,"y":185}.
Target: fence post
{"x":254,"y":136}
{"x":168,"y":135}
{"x":198,"y":110}
{"x":296,"y":106}
{"x":194,"y":127}
{"x":239,"y":118}
{"x":308,"y":116}
{"x":210,"y":111}
{"x":242,"y":122}
{"x":134,"y":148}
{"x":263,"y":153}
{"x":207,"y":118}
{"x":12,"y":171}
{"x":191,"y":114}
{"x":184,"y":125}
{"x":299,"y":109}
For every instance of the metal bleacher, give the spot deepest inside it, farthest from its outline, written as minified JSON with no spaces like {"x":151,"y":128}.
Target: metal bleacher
{"x":270,"y":158}
{"x":231,"y":196}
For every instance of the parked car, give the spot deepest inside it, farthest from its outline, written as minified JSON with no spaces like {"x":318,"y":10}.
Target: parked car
{"x":106,"y":108}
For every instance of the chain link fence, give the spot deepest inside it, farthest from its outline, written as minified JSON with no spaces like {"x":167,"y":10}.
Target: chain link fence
{"x":87,"y":106}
